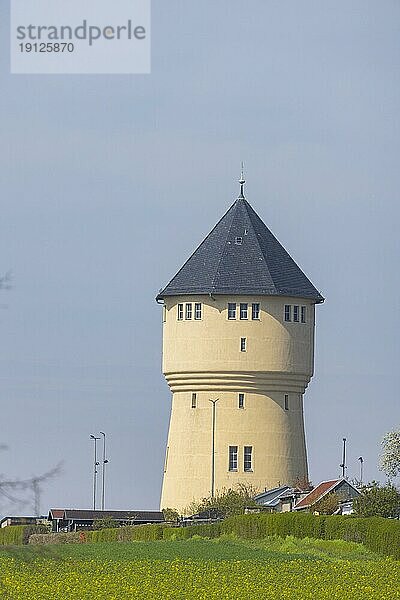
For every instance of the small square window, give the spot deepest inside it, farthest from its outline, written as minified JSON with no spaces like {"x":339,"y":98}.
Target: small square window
{"x":180,"y":312}
{"x":197,"y":311}
{"x":248,"y":456}
{"x":194,"y":400}
{"x":286,"y":402}
{"x":231,"y":310}
{"x":255,"y":311}
{"x":296,"y":310}
{"x":244,"y":308}
{"x":233,"y":458}
{"x":288,"y":312}
{"x":303,"y":314}
{"x":238,"y":241}
{"x":241,"y":401}
{"x":243,"y":344}
{"x":188,"y":311}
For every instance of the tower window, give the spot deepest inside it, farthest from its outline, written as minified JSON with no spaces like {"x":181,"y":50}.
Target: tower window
{"x":164,"y":313}
{"x":241,"y":401}
{"x":288,"y":312}
{"x":238,"y":241}
{"x":194,"y":400}
{"x":255,"y":311}
{"x":248,"y":458}
{"x":233,"y":458}
{"x":244,"y":307}
{"x":197,"y":311}
{"x":231,"y":310}
{"x":296,"y":314}
{"x":189,"y":311}
{"x":180,"y":312}
{"x":243,"y":344}
{"x":303,"y":314}
{"x":286,"y":402}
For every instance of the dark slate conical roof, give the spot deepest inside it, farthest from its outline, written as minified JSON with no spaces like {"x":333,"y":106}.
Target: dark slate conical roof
{"x":241,"y":256}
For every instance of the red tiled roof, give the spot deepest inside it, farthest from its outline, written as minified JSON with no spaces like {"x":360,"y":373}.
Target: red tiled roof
{"x":317,"y":493}
{"x":57,"y":513}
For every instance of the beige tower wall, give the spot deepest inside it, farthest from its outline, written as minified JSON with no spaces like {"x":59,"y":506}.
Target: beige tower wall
{"x":204,"y":357}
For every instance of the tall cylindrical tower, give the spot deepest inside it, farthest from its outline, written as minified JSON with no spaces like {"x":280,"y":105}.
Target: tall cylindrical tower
{"x":238,"y":353}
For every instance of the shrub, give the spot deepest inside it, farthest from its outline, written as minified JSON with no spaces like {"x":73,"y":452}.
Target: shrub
{"x":55,"y":538}
{"x":106,"y":523}
{"x":228,"y":502}
{"x":377,"y":501}
{"x":170,"y":515}
{"x":328,"y":504}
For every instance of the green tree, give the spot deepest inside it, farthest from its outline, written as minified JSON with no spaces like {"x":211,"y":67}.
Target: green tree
{"x":327,"y":505}
{"x":390,"y":457}
{"x":377,"y":501}
{"x":170,"y":515}
{"x":105,"y":523}
{"x":229,"y":502}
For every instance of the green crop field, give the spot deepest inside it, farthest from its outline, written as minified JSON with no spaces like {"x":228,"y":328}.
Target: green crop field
{"x":199,"y":569}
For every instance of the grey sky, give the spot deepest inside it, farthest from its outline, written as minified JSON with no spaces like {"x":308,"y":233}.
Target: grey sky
{"x":108,"y":183}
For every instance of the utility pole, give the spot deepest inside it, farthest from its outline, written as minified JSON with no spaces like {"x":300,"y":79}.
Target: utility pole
{"x":103,"y":472}
{"x":343,"y":465}
{"x":214,"y":403}
{"x":36,"y":494}
{"x":95,"y":465}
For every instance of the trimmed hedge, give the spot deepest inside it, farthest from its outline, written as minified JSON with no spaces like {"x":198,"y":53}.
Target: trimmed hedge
{"x":12,"y":535}
{"x":376,"y":533}
{"x":17,"y":535}
{"x":129,"y":533}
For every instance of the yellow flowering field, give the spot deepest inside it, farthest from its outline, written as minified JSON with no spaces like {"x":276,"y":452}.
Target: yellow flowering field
{"x":185,"y":579}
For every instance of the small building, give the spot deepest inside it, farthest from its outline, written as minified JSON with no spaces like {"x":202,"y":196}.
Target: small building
{"x":77,"y":520}
{"x":345,"y":491}
{"x":10,"y":521}
{"x":280,"y":499}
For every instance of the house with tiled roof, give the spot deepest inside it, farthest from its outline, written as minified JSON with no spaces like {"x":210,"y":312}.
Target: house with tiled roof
{"x":77,"y":520}
{"x":345,"y":491}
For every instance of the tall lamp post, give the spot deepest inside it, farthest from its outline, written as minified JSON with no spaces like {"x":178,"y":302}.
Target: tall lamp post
{"x":214,"y":403}
{"x":343,"y":465}
{"x":95,"y":465}
{"x":361,"y":469}
{"x":103,"y":472}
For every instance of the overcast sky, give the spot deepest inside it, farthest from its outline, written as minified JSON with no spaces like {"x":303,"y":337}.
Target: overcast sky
{"x":109,"y":182}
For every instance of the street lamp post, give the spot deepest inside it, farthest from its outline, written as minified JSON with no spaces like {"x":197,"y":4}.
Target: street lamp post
{"x":95,"y":465}
{"x":214,"y":403}
{"x":103,"y":472}
{"x":343,"y":465}
{"x":361,"y":469}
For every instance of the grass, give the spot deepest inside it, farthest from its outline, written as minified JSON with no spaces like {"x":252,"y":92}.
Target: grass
{"x":223,"y":548}
{"x":199,"y":568}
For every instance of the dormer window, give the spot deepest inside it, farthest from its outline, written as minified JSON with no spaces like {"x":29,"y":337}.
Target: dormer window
{"x":238,"y":241}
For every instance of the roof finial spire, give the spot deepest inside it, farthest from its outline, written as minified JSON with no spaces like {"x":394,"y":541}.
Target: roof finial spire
{"x":242,"y":181}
